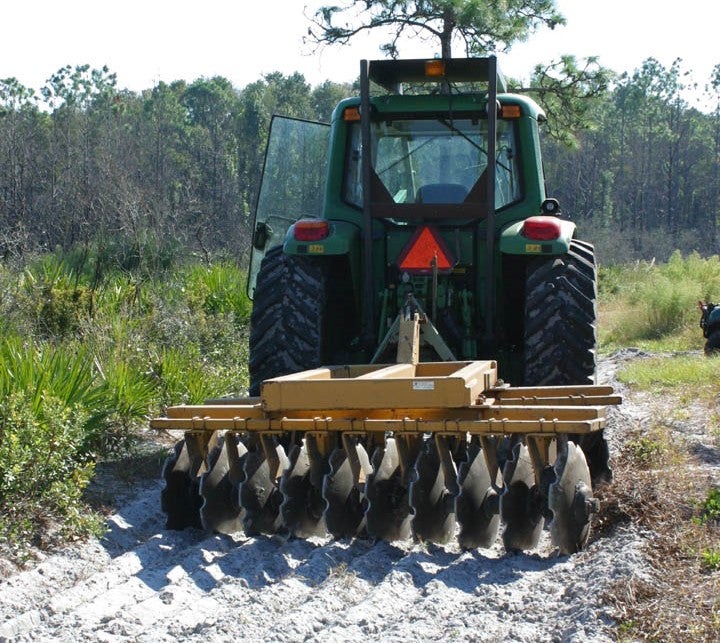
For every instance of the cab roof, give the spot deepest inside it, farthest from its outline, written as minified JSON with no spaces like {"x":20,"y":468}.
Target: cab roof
{"x":391,"y":74}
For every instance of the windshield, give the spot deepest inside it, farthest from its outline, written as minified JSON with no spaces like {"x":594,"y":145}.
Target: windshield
{"x":436,"y":160}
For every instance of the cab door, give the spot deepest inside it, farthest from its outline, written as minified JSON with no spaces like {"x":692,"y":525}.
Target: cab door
{"x":292,"y":185}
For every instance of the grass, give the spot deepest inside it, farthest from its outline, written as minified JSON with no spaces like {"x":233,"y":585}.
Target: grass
{"x":86,"y":356}
{"x":654,"y":306}
{"x":672,"y":372}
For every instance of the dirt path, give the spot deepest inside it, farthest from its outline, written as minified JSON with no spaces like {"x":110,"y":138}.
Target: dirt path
{"x":143,"y":583}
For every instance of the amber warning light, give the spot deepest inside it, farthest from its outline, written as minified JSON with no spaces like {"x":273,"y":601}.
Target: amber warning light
{"x":424,"y":247}
{"x":351,"y":114}
{"x":435,"y":68}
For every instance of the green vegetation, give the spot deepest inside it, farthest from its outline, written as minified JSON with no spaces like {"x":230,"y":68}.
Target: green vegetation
{"x":709,"y":520}
{"x":711,"y":507}
{"x":674,"y":371}
{"x":87,"y":355}
{"x":647,"y":451}
{"x":711,"y":559}
{"x":654,"y":306}
{"x":480,"y":27}
{"x":90,"y":349}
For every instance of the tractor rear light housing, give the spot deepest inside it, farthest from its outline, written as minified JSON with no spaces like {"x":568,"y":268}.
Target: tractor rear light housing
{"x":510,"y":111}
{"x":541,"y":228}
{"x":311,"y":230}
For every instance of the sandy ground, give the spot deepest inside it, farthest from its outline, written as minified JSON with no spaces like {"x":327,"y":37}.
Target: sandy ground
{"x":143,"y":583}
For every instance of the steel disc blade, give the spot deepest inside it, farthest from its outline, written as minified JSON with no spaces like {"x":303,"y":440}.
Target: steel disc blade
{"x":388,"y":514}
{"x":597,"y":455}
{"x":432,"y":496}
{"x":221,"y":511}
{"x":477,"y":506}
{"x":570,"y":499}
{"x":344,"y":498}
{"x":260,"y":496}
{"x":180,"y":499}
{"x":520,"y":506}
{"x":302,"y":506}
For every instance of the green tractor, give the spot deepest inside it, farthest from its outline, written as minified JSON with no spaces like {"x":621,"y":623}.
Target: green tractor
{"x":432,"y":203}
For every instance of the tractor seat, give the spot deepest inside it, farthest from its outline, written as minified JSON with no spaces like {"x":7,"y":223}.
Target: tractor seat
{"x":441,"y":193}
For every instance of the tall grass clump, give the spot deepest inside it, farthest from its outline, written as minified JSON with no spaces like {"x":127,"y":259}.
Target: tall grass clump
{"x":655,"y":305}
{"x":52,"y":412}
{"x":186,"y":376}
{"x":218,"y":288}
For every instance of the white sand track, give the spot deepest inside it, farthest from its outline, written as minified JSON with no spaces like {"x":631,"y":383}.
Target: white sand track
{"x":142,"y":583}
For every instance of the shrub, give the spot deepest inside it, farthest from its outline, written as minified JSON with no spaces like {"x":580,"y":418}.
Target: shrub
{"x":42,"y":443}
{"x":646,"y":451}
{"x":55,"y":298}
{"x":711,"y":507}
{"x":44,"y":467}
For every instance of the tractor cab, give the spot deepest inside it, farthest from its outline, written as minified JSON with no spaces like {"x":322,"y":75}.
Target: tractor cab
{"x":430,"y":136}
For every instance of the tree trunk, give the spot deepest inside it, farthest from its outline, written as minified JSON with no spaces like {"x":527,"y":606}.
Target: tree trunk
{"x":449,"y":22}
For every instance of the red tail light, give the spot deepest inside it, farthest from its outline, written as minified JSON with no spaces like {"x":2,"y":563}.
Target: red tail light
{"x":541,"y":228}
{"x":311,"y":230}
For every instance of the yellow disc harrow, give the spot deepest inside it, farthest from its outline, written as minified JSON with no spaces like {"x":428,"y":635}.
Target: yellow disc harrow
{"x":431,"y":450}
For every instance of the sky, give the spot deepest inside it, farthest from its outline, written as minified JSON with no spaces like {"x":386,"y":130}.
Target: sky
{"x":147,"y":41}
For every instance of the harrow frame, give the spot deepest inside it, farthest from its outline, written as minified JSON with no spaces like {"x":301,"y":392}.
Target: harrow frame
{"x":414,"y":415}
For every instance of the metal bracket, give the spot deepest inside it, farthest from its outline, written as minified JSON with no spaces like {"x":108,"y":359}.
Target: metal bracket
{"x":427,"y":332}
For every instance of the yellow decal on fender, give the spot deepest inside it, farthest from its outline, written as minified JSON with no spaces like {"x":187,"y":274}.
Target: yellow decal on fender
{"x":532,"y":247}
{"x":318,"y":249}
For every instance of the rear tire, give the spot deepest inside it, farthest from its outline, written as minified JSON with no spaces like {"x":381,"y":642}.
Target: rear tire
{"x":561,"y":318}
{"x":561,"y":334}
{"x":286,"y":325}
{"x":286,"y":330}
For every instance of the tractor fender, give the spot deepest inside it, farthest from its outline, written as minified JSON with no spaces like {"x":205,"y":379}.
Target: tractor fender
{"x":514,"y":242}
{"x":343,"y":239}
{"x":341,"y":243}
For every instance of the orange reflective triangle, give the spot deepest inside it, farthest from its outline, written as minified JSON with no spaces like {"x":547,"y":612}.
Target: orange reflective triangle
{"x":424,"y":246}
